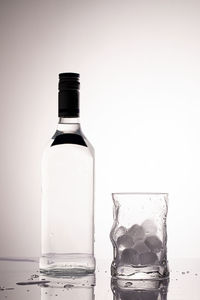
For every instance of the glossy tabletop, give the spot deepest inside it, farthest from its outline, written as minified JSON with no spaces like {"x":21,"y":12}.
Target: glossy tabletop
{"x":22,"y":280}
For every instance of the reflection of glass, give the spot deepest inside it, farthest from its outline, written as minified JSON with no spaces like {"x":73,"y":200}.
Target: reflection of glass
{"x":139,"y":289}
{"x":139,"y":236}
{"x":71,"y":288}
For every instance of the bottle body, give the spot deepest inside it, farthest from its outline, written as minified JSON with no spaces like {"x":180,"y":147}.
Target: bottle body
{"x":68,"y":203}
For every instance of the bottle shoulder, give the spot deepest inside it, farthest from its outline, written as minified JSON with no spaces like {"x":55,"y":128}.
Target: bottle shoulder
{"x":77,"y":139}
{"x":61,"y":138}
{"x":88,"y":143}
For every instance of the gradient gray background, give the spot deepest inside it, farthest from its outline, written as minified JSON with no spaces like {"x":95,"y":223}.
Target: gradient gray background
{"x":140,"y":107}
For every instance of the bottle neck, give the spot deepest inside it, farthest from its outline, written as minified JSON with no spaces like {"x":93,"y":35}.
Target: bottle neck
{"x":69,"y":125}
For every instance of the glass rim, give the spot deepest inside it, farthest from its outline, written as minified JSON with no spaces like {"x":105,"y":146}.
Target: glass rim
{"x":141,"y":193}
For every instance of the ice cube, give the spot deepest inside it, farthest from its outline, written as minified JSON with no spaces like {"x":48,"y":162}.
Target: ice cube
{"x":148,"y":258}
{"x":124,"y":241}
{"x":149,"y":227}
{"x":129,"y":257}
{"x":119,"y":231}
{"x":153,"y":243}
{"x":141,"y":247}
{"x":136,"y":232}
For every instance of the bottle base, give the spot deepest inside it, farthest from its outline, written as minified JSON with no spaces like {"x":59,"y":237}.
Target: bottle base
{"x":65,"y":264}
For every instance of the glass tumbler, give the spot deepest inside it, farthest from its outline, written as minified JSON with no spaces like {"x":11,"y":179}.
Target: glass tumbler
{"x":139,"y":236}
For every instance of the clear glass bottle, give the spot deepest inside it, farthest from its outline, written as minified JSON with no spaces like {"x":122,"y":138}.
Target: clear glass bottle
{"x":68,"y":191}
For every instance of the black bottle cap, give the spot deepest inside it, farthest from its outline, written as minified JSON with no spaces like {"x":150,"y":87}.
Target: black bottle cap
{"x":68,"y":95}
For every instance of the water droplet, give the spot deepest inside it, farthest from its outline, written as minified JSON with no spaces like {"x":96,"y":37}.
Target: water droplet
{"x":68,"y":286}
{"x":34,"y":276}
{"x":43,"y":285}
{"x":127,"y":284}
{"x":32,"y":282}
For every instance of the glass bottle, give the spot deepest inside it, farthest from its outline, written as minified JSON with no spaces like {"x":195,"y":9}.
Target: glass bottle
{"x":68,"y":191}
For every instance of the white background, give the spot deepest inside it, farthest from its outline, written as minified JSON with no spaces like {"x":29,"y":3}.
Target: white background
{"x":140,"y":107}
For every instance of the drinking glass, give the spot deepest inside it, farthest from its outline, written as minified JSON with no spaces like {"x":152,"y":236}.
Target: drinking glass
{"x":139,"y":236}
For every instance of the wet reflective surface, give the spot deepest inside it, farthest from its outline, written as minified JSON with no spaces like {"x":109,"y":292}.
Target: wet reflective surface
{"x":22,"y":280}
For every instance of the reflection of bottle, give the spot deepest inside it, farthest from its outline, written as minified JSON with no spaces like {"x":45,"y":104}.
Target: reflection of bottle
{"x":77,"y":288}
{"x":139,"y":289}
{"x":68,"y":191}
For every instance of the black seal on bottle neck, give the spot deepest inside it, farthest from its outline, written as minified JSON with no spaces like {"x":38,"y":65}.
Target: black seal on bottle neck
{"x":68,"y":96}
